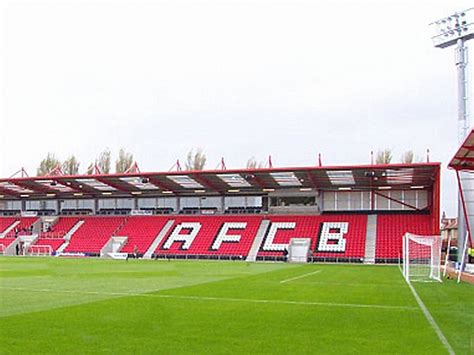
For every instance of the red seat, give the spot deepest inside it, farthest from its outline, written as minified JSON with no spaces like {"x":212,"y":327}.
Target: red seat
{"x":390,"y":231}
{"x":94,"y":234}
{"x":60,"y":228}
{"x":141,"y":231}
{"x":210,"y":226}
{"x":311,"y":227}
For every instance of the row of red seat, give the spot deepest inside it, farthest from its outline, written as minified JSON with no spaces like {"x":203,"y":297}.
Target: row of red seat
{"x":94,"y":234}
{"x":332,"y":236}
{"x":60,"y":228}
{"x":391,"y":228}
{"x":6,"y":222}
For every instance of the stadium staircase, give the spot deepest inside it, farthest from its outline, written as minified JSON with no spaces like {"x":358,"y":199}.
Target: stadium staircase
{"x":68,"y":236}
{"x":73,"y":230}
{"x":141,"y":231}
{"x":114,"y":247}
{"x":10,"y":225}
{"x":252,"y":256}
{"x":148,"y":254}
{"x":370,"y":240}
{"x":24,"y":225}
{"x":10,"y":245}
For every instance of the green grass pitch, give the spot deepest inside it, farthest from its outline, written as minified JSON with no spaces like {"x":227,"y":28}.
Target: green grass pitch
{"x":53,"y":305}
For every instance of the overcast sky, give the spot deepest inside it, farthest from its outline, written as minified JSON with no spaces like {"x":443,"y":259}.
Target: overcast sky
{"x":237,"y":78}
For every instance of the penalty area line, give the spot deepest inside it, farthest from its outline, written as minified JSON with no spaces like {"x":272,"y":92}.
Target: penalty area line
{"x":300,"y":277}
{"x":216,"y":299}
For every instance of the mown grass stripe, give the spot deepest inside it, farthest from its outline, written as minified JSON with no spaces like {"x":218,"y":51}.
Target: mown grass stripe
{"x":220,"y":299}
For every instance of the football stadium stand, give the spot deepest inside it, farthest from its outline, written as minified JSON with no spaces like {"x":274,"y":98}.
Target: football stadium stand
{"x":348,"y":214}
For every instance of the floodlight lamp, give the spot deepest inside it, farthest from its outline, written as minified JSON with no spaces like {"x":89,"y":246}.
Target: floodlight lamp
{"x":447,"y":31}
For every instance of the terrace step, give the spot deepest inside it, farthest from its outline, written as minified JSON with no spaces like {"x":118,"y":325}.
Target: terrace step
{"x":67,"y":237}
{"x":73,"y":230}
{"x":9,"y":229}
{"x":370,"y":239}
{"x":158,"y":239}
{"x":257,"y":242}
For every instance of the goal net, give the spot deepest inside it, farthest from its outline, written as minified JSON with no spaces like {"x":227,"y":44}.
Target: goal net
{"x":421,"y":257}
{"x":39,"y":250}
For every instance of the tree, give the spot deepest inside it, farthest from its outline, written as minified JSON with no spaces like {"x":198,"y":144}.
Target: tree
{"x":195,"y":161}
{"x":384,"y":156}
{"x":71,"y":166}
{"x":252,"y":164}
{"x":48,"y":164}
{"x":124,"y":161}
{"x":408,"y":157}
{"x":104,"y":161}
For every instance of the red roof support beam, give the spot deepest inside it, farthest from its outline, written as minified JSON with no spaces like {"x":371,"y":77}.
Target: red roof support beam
{"x":204,"y":181}
{"x":435,"y":205}
{"x":395,"y":200}
{"x":463,"y":202}
{"x":71,"y":186}
{"x":111,"y":184}
{"x":160,"y":184}
{"x":312,"y":179}
{"x":37,"y":188}
{"x":9,"y":192}
{"x":257,"y":181}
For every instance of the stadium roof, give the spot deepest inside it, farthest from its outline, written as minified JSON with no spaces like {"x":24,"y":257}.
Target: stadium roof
{"x":219,"y":182}
{"x":464,"y":157}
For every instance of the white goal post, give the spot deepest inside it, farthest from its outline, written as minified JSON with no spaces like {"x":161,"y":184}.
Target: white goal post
{"x":39,"y":250}
{"x":421,"y":257}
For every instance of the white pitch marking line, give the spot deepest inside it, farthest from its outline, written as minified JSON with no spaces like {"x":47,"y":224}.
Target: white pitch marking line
{"x":223,"y":299}
{"x":431,"y":320}
{"x":300,"y":277}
